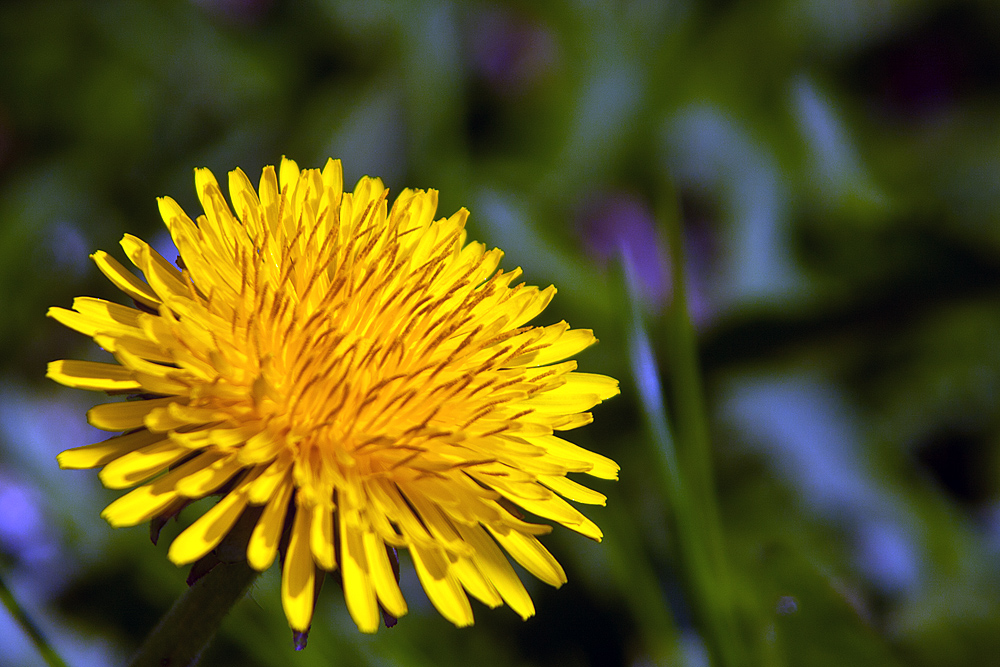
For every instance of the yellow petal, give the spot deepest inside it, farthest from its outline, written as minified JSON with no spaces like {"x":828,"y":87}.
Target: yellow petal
{"x":298,"y":579}
{"x":177,"y":415}
{"x":572,"y":490}
{"x":97,"y":316}
{"x":164,"y":278}
{"x":205,"y":534}
{"x":203,"y":482}
{"x":495,"y":566}
{"x":358,"y":592}
{"x":529,"y":552}
{"x":245,"y":202}
{"x":261,"y":447}
{"x":217,"y":224}
{"x":535,"y":301}
{"x":149,"y":500}
{"x":602,"y":385}
{"x":382,"y":576}
{"x":156,"y":384}
{"x":124,"y":280}
{"x":572,"y":421}
{"x":155,"y":378}
{"x":263,"y":544}
{"x":288,"y":173}
{"x":560,"y":402}
{"x":126,"y":415}
{"x":601,"y":466}
{"x":170,"y":210}
{"x":333,"y":183}
{"x":552,"y":343}
{"x":473,"y":581}
{"x":111,"y":314}
{"x":141,"y":347}
{"x":388,"y":501}
{"x":265,"y":485}
{"x":220,"y":437}
{"x":138,"y":466}
{"x":135,"y":249}
{"x":441,"y":529}
{"x":91,"y":375}
{"x":100,"y":453}
{"x":441,"y":586}
{"x":139,"y":505}
{"x":552,"y":507}
{"x":269,"y":195}
{"x":321,"y":536}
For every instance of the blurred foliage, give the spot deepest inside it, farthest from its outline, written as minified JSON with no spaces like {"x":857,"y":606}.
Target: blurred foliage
{"x":837,"y":164}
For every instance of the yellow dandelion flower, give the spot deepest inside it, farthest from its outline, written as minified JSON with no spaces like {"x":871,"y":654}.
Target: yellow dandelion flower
{"x":355,"y":378}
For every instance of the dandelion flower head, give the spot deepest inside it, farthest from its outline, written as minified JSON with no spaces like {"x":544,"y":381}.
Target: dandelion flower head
{"x":351,"y":379}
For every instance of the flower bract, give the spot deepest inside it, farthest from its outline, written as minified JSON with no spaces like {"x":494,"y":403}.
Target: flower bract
{"x":352,"y":378}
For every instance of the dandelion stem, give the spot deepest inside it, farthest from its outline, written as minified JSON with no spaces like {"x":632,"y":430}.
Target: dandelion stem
{"x":184,"y":632}
{"x":30,"y":628}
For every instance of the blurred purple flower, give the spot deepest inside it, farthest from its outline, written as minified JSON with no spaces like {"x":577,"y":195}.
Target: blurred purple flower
{"x":69,"y":248}
{"x":163,"y":244}
{"x":21,"y":518}
{"x":616,"y":225}
{"x":509,"y":50}
{"x":621,"y":224}
{"x":26,"y":536}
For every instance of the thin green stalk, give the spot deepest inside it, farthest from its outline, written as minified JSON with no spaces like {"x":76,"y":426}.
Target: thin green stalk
{"x":30,"y":628}
{"x":695,"y":563}
{"x":189,"y":626}
{"x":640,"y":587}
{"x":694,"y":446}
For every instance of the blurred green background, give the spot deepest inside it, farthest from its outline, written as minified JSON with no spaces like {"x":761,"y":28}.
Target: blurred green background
{"x":837,"y":167}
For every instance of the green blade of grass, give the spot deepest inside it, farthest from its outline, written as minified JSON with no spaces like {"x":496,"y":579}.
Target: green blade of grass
{"x":30,"y":628}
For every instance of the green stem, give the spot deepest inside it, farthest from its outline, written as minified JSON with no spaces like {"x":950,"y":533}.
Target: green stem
{"x":685,"y":458}
{"x":638,"y":582}
{"x":30,"y":628}
{"x":713,"y":578}
{"x":191,"y":623}
{"x":694,"y":563}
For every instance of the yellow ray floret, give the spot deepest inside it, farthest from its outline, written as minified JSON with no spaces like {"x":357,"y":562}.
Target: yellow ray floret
{"x":354,"y":377}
